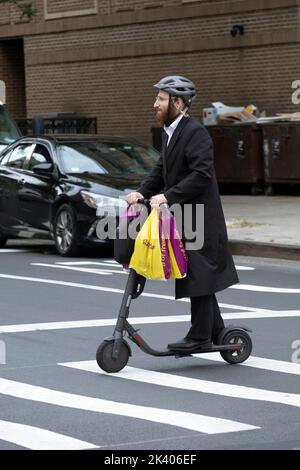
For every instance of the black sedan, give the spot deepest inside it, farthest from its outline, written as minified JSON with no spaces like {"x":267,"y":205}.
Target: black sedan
{"x":51,"y":187}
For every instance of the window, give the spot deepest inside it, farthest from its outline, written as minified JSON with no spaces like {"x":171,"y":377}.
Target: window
{"x":8,"y":129}
{"x":107,"y":157}
{"x":18,"y":156}
{"x":40,"y":155}
{"x":5,"y":157}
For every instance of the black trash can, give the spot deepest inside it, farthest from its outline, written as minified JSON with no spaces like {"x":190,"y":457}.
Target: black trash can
{"x":281,"y":145}
{"x":238,"y":154}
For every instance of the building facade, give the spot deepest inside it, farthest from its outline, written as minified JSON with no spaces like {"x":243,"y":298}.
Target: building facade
{"x":101,"y":57}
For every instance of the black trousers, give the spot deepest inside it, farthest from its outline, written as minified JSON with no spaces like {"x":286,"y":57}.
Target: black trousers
{"x":205,"y":318}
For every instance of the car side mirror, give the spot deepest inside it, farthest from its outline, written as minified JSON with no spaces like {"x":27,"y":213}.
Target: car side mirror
{"x":43,"y":168}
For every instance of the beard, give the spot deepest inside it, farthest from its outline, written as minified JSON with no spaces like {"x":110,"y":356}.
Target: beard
{"x":161,"y":117}
{"x":166,"y":116}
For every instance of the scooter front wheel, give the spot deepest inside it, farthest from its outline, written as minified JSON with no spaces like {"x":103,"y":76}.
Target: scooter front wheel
{"x":240,"y":338}
{"x":105,"y":360}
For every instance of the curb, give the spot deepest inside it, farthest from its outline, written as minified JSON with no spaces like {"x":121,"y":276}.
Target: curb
{"x":237,"y":247}
{"x":264,"y":250}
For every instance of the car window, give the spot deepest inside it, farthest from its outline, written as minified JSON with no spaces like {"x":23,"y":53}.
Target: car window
{"x":8,"y":129}
{"x":39,"y":155}
{"x":5,"y":157}
{"x":19,"y":155}
{"x":77,"y":159}
{"x":107,"y":157}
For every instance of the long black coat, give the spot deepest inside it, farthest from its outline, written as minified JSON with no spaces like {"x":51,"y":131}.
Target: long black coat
{"x":185,"y":174}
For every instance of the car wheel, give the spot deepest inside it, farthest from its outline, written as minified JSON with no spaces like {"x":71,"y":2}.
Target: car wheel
{"x":65,"y":231}
{"x":3,"y":241}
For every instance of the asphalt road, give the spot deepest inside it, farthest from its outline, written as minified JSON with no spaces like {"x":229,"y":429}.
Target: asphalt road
{"x":55,"y":312}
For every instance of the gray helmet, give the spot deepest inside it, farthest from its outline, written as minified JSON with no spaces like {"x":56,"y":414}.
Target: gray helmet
{"x":176,"y":85}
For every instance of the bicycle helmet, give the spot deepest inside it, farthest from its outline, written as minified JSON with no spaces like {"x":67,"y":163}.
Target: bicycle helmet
{"x":176,"y":85}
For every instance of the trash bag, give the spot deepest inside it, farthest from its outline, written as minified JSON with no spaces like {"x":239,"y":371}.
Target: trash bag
{"x":147,"y":257}
{"x":158,"y":251}
{"x":176,"y":258}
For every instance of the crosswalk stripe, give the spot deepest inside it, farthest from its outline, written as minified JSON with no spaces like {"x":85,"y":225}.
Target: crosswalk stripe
{"x":39,"y":439}
{"x":274,"y":290}
{"x":113,"y":290}
{"x":186,"y":420}
{"x":12,"y":250}
{"x":152,"y":320}
{"x":187,"y":383}
{"x":244,"y":268}
{"x":258,"y":363}
{"x":100,"y":271}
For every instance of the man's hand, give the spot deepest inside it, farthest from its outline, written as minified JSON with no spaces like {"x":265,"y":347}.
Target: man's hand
{"x":133,"y":197}
{"x":157,"y":200}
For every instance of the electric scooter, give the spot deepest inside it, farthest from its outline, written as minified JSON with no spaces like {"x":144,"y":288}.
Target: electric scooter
{"x":234,"y":343}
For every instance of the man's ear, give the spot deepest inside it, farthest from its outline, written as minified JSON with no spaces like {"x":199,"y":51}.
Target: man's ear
{"x":179,"y":103}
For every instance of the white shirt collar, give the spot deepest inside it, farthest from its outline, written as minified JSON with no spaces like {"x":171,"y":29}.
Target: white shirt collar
{"x":171,"y":128}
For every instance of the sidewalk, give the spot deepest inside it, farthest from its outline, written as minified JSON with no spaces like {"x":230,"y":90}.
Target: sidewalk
{"x":267,"y":226}
{"x":263,"y":226}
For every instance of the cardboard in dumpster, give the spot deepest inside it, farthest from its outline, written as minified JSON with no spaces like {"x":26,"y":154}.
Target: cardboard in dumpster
{"x":228,"y":114}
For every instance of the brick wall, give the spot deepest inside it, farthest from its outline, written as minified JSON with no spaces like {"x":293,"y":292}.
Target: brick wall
{"x":120,"y":92}
{"x":66,"y":70}
{"x":12,"y":73}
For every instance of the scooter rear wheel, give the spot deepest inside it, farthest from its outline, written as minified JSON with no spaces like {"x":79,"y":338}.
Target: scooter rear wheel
{"x":105,"y":360}
{"x":237,"y":337}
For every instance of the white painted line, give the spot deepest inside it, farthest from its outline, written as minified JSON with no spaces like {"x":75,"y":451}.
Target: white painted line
{"x":258,"y":363}
{"x":241,"y":307}
{"x":39,"y":439}
{"x":181,"y":419}
{"x":197,"y":385}
{"x":110,"y":289}
{"x":244,"y":268}
{"x":61,"y":283}
{"x":26,"y":327}
{"x":102,"y":272}
{"x":277,"y":290}
{"x":12,"y":250}
{"x":85,"y":263}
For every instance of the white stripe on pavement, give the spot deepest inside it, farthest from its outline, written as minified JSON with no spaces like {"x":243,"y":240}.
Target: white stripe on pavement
{"x":138,"y":320}
{"x":102,"y":272}
{"x":273,"y":365}
{"x":244,"y":268}
{"x":192,"y":421}
{"x":22,"y":328}
{"x":275,"y":290}
{"x":39,"y":439}
{"x":12,"y":250}
{"x":197,"y":385}
{"x":110,"y":289}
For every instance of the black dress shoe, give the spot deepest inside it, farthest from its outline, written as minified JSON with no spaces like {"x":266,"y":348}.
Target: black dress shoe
{"x":187,"y":344}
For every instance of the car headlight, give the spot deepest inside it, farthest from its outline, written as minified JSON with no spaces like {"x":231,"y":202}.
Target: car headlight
{"x":105,"y":205}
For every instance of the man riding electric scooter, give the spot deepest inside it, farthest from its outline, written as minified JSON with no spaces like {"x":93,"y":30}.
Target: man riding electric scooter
{"x":185,"y":175}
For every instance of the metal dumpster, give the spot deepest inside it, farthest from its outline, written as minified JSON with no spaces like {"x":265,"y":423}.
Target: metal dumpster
{"x":281,"y":145}
{"x":238,"y":150}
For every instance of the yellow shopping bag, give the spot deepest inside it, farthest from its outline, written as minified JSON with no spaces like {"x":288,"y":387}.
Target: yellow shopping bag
{"x":147,"y":258}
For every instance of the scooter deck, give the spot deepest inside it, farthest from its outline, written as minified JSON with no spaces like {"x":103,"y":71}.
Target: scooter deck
{"x":211,"y":349}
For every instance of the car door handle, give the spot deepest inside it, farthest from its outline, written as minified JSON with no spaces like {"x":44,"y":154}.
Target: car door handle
{"x":21,"y":182}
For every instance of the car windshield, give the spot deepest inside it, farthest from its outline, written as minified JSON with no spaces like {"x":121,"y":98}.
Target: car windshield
{"x":8,"y":129}
{"x":107,"y":157}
